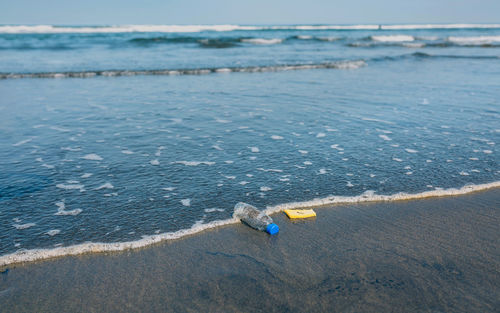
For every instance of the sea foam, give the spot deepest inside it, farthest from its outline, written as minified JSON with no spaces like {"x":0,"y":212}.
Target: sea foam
{"x":393,"y":38}
{"x":263,"y":41}
{"x":21,"y":256}
{"x":194,"y":163}
{"x":92,"y":156}
{"x":24,"y":226}
{"x":341,"y":65}
{"x":50,"y":29}
{"x":477,"y":40}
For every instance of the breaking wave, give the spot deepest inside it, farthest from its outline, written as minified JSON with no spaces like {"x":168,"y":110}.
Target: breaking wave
{"x":341,"y":65}
{"x":51,"y":29}
{"x":99,"y":247}
{"x":344,"y":65}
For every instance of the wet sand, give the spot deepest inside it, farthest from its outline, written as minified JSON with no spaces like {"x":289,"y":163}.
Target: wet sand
{"x":429,"y":255}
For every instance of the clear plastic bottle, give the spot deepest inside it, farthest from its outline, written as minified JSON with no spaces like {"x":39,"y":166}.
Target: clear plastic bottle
{"x":254,"y":218}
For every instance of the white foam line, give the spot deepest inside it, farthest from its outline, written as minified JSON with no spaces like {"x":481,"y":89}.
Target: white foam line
{"x":341,"y":65}
{"x":51,"y":29}
{"x":393,"y":38}
{"x":99,"y":247}
{"x":370,"y":196}
{"x":22,"y":256}
{"x":193,"y":163}
{"x":263,"y":41}
{"x":22,"y":142}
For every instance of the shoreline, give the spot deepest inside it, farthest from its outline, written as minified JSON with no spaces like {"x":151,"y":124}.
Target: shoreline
{"x":426,"y":255}
{"x":33,"y":255}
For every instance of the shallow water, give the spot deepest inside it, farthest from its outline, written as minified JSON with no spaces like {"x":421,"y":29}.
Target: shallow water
{"x":113,"y":159}
{"x":431,"y":255}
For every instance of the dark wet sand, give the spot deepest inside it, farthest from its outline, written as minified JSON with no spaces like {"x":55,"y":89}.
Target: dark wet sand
{"x":431,"y":255}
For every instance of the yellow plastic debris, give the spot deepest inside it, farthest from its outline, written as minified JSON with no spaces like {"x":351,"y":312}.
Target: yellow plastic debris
{"x":300,"y":213}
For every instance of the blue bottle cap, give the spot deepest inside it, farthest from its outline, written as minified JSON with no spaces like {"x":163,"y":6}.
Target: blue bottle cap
{"x":272,"y":229}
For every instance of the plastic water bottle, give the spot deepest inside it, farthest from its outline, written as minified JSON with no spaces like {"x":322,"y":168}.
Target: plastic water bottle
{"x":254,"y":218}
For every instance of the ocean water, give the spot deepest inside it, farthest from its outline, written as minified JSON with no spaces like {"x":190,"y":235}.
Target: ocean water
{"x":118,"y":137}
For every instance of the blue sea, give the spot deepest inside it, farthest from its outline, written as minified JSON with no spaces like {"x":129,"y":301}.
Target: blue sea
{"x":115,"y":137}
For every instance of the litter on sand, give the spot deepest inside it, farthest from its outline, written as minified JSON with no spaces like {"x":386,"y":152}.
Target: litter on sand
{"x":300,"y":213}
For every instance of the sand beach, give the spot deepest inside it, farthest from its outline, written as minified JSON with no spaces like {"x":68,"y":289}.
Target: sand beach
{"x":428,"y":255}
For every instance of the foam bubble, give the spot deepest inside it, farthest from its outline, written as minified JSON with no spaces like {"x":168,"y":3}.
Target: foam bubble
{"x":369,"y":119}
{"x":186,"y":202}
{"x":328,"y":38}
{"x":154,"y":162}
{"x":276,"y":137}
{"x":254,"y":149}
{"x":92,"y":156}
{"x":61,"y":209}
{"x":86,"y":175}
{"x":194,"y":163}
{"x":71,"y":187}
{"x":127,"y":152}
{"x":214,"y":210}
{"x":105,"y":186}
{"x":397,"y":159}
{"x":413,"y":45}
{"x":477,"y":40}
{"x":269,"y":170}
{"x":411,"y":150}
{"x":263,"y":41}
{"x":385,"y":137}
{"x":53,"y":232}
{"x":60,"y":129}
{"x":303,"y":151}
{"x":264,"y":189}
{"x":24,"y":226}
{"x":223,"y":70}
{"x":393,"y":38}
{"x":22,"y":142}
{"x":320,"y":135}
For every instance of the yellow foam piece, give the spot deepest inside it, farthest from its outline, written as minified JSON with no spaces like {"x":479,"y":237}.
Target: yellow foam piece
{"x":300,"y":213}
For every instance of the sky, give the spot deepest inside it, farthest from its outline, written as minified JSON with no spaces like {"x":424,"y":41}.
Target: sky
{"x":123,"y":12}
